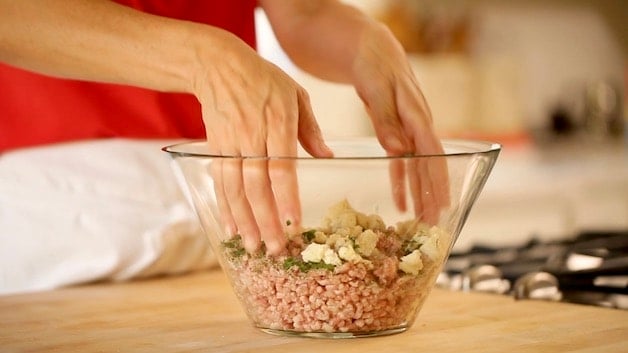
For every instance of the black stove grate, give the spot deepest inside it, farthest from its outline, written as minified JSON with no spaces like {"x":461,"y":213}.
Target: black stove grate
{"x":591,"y":268}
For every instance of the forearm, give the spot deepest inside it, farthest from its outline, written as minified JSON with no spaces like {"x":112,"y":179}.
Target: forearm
{"x":101,"y":41}
{"x":323,"y":37}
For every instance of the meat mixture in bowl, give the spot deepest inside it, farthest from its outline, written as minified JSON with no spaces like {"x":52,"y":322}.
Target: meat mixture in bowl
{"x":352,"y":274}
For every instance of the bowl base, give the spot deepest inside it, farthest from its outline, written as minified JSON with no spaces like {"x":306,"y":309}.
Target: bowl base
{"x":334,"y":335}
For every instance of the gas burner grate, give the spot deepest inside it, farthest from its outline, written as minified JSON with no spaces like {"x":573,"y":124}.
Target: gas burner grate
{"x":591,"y":269}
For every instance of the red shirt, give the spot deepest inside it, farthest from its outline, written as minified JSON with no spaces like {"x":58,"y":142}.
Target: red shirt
{"x":36,"y":109}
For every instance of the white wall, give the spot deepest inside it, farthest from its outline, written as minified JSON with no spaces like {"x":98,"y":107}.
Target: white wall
{"x":526,"y":58}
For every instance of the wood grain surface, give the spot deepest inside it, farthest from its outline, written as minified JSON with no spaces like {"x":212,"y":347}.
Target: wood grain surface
{"x":199,"y":313}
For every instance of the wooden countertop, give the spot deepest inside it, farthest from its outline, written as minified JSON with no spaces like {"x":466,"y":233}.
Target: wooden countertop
{"x":199,"y":313}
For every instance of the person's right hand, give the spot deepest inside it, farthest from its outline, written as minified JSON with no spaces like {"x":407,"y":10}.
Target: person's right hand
{"x":251,"y":108}
{"x":403,"y":124}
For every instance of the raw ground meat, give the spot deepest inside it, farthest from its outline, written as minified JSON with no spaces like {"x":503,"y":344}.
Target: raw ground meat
{"x":353,"y":274}
{"x":351,"y":298}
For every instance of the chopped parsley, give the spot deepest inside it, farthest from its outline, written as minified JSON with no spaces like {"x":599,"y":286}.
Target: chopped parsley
{"x":354,"y":243}
{"x":233,"y":247}
{"x":410,"y":245}
{"x":303,"y":266}
{"x":233,"y":243}
{"x":309,"y":235}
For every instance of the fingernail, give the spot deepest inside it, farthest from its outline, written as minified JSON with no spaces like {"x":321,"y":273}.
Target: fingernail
{"x":229,"y":231}
{"x":276,"y":247}
{"x":251,"y":245}
{"x":328,"y":150}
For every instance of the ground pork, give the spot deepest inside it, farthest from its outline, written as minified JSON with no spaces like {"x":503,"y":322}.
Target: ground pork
{"x":359,"y":295}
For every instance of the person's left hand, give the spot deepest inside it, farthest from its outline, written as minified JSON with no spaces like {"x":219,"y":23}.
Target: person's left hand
{"x":253,"y":110}
{"x":385,"y":82}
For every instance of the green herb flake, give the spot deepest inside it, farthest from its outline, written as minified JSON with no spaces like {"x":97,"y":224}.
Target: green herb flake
{"x":233,"y":243}
{"x":291,"y":262}
{"x":309,"y":235}
{"x":410,"y":245}
{"x":233,"y":247}
{"x":238,"y":252}
{"x":354,"y":243}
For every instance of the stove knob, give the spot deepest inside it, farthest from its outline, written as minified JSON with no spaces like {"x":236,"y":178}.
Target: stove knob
{"x":537,"y":285}
{"x":484,"y":278}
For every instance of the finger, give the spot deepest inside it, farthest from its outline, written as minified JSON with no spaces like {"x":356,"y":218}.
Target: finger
{"x":309,"y":132}
{"x":437,"y":170}
{"x":283,"y":178}
{"x":244,"y":134}
{"x":381,"y":106}
{"x":430,"y":207}
{"x":425,"y":207}
{"x":441,"y":175}
{"x":257,"y":186}
{"x":423,"y":106}
{"x":414,"y":181}
{"x":397,"y":173}
{"x":432,"y":171}
{"x":215,"y":170}
{"x":226,"y":216}
{"x":426,"y":200}
{"x":283,"y":173}
{"x":243,"y":215}
{"x":257,"y":182}
{"x":383,"y":114}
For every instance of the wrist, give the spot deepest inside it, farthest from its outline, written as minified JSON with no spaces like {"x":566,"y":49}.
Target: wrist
{"x":182,"y":50}
{"x":214,"y":53}
{"x":377,"y":51}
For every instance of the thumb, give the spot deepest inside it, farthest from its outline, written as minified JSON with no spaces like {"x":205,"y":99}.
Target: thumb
{"x":310,"y":135}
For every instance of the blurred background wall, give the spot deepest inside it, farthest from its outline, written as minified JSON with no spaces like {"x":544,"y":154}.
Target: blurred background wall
{"x":498,"y":69}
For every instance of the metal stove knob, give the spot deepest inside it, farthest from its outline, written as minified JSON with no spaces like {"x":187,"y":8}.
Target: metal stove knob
{"x":484,"y":278}
{"x":537,"y":285}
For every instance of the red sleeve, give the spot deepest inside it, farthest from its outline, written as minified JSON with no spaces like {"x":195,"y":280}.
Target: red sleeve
{"x":40,"y":110}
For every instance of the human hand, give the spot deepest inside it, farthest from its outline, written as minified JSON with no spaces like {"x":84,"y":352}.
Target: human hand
{"x":252,"y":109}
{"x":402,"y":120}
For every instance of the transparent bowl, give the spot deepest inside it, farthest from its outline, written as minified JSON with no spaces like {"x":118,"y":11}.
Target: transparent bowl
{"x":373,"y":236}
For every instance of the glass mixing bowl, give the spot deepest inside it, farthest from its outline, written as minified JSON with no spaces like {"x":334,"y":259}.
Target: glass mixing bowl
{"x":372,"y":236}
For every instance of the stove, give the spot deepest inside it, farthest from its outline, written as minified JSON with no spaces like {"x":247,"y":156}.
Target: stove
{"x":590,"y":269}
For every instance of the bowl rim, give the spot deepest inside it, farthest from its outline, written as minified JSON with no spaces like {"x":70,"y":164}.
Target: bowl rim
{"x":475,"y":147}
